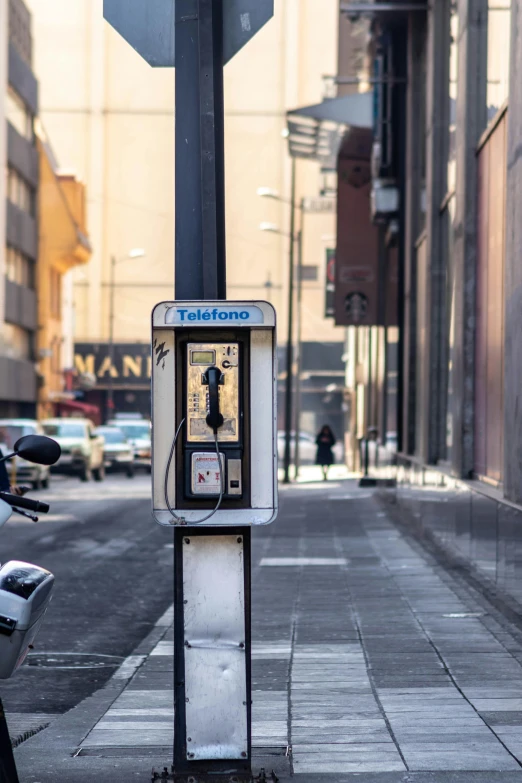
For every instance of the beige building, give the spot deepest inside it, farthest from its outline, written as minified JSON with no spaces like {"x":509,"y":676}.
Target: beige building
{"x":111,"y":118}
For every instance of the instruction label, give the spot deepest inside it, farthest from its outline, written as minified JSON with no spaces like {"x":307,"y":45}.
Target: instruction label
{"x":206,"y":473}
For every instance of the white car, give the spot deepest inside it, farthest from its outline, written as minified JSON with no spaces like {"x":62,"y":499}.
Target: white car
{"x":118,"y":454}
{"x":307,"y":448}
{"x":22,"y":472}
{"x":137,"y":432}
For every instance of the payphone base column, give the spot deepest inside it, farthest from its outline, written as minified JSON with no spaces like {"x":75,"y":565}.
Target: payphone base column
{"x":212,"y":654}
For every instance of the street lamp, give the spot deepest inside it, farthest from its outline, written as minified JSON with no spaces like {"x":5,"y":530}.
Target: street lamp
{"x":136,"y":252}
{"x":269,"y":193}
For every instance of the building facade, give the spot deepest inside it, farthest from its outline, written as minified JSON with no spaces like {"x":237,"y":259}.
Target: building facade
{"x":111,"y":118}
{"x":63,"y":244}
{"x":446,"y":137}
{"x":18,"y":225}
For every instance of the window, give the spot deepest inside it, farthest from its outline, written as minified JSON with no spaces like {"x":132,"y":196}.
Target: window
{"x":489,"y":323}
{"x":19,"y":343}
{"x":309,"y":272}
{"x":19,"y":192}
{"x":19,"y":269}
{"x":65,"y":429}
{"x":452,"y":100}
{"x":19,"y":115}
{"x":448,"y":219}
{"x":499,"y":33}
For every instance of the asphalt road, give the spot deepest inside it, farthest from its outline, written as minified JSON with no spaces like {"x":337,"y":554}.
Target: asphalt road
{"x":113,"y":570}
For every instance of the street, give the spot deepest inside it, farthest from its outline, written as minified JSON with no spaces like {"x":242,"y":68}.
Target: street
{"x":113,"y":573}
{"x":372,"y":656}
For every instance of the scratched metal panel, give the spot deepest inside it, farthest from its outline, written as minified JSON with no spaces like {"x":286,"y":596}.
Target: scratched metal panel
{"x":163,"y":425}
{"x":215,"y":660}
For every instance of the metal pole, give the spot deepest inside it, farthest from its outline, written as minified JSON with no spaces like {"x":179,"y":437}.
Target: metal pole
{"x":199,"y":141}
{"x":369,"y":399}
{"x":110,"y":391}
{"x":299,"y":334}
{"x":289,"y":352}
{"x":188,"y":214}
{"x":200,"y":275}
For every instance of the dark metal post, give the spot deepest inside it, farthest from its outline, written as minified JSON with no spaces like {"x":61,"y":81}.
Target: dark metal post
{"x":200,"y":274}
{"x":110,"y":391}
{"x":200,"y":182}
{"x":300,"y":247}
{"x":289,"y":340}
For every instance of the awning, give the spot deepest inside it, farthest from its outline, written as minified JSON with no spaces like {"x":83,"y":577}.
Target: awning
{"x":355,"y":110}
{"x":81,"y":407}
{"x":316,"y":132}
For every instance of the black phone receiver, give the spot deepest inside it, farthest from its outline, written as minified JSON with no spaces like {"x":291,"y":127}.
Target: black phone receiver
{"x":213,"y":377}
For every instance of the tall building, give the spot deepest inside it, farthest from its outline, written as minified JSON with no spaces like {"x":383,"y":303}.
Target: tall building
{"x":111,"y":118}
{"x":42,"y":235}
{"x":18,"y":224}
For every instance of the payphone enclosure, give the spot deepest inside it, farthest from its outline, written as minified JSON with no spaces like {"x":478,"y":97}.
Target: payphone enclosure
{"x":214,"y":389}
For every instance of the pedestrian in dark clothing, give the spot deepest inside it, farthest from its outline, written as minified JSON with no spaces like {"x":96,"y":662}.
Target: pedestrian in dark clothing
{"x":325,"y":440}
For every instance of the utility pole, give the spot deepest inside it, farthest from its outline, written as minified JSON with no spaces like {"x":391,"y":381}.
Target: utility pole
{"x":299,"y":339}
{"x":110,"y":391}
{"x":198,"y":37}
{"x":289,"y":339}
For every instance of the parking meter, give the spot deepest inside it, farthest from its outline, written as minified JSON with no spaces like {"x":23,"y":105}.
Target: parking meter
{"x":214,"y":446}
{"x":25,"y":593}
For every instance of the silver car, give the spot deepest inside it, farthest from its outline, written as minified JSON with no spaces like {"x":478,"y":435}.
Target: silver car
{"x":18,"y":470}
{"x":137,"y":432}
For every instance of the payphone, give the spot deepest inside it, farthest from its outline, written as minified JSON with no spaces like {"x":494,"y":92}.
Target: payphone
{"x":214,"y":447}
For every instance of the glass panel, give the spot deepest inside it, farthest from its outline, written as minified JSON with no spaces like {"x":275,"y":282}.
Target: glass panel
{"x":499,"y":34}
{"x":66,"y":429}
{"x":18,"y":342}
{"x":452,"y":97}
{"x":18,"y":115}
{"x":450,"y":324}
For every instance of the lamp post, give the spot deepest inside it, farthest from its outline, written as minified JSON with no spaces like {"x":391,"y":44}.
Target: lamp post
{"x":136,"y":252}
{"x":268,"y":193}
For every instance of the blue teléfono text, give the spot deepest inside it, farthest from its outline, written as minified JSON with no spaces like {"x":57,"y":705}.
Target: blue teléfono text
{"x":212,"y":315}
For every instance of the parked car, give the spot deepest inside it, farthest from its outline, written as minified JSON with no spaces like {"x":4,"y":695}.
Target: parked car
{"x":82,"y":448}
{"x":20,"y":471}
{"x":307,"y":448}
{"x":118,"y":453}
{"x":137,"y":431}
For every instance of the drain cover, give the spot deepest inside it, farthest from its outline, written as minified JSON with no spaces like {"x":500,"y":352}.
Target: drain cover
{"x":62,"y":660}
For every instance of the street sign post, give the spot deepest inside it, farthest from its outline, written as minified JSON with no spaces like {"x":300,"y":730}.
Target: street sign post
{"x":148,"y":26}
{"x":198,"y":37}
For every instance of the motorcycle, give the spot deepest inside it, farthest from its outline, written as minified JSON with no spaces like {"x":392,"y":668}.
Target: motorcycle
{"x":25,"y":589}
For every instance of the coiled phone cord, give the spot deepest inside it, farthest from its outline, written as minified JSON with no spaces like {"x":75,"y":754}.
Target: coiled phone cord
{"x":182,"y":520}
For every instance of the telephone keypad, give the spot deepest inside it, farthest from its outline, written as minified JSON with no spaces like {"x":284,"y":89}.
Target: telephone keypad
{"x":226,"y":358}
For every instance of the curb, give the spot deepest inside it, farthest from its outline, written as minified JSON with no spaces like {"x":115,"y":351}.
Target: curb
{"x":66,"y":733}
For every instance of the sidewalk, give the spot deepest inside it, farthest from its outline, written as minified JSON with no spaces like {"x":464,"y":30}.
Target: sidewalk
{"x":371,"y":662}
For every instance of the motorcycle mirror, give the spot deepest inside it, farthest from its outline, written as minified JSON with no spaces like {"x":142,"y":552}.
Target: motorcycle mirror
{"x":38,"y":449}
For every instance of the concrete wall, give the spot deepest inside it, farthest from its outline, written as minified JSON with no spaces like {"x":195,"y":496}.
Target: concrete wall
{"x":110,"y":118}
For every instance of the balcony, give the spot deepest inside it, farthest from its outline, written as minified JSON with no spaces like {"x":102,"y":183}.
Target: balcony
{"x":20,"y":305}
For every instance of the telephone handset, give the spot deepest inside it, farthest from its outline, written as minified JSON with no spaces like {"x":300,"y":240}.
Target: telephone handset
{"x":213,"y":392}
{"x":212,"y":378}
